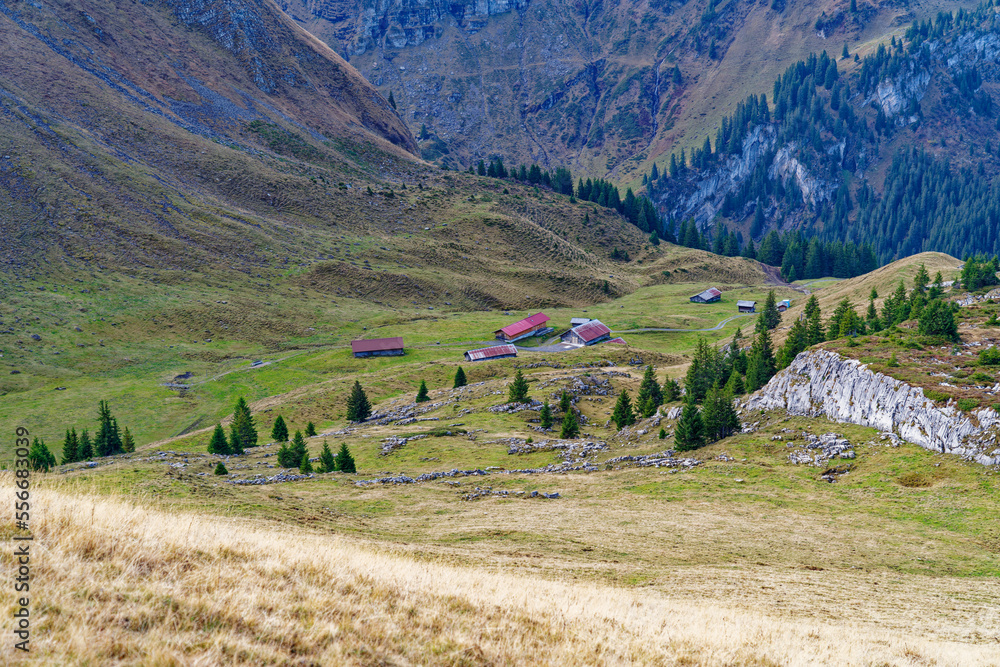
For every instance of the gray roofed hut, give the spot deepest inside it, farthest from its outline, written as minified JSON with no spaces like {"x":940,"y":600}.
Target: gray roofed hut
{"x":711,"y":295}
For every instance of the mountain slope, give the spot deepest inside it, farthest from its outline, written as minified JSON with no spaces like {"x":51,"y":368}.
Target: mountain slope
{"x":157,"y":135}
{"x":589,"y":85}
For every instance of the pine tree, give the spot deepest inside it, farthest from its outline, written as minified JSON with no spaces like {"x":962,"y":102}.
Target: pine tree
{"x":327,"y":462}
{"x":305,"y":465}
{"x":623,"y":415}
{"x":705,"y":368}
{"x":545,"y":416}
{"x":220,"y":469}
{"x":310,"y":429}
{"x":128,"y":442}
{"x":358,"y":407}
{"x":218,"y":444}
{"x":797,"y":341}
{"x":85,"y":451}
{"x":570,"y":426}
{"x":564,"y":401}
{"x":422,"y":396}
{"x":39,"y":457}
{"x":71,"y":445}
{"x":279,"y":432}
{"x":690,"y":431}
{"x":518,"y":392}
{"x":345,"y":462}
{"x":392,"y":100}
{"x":460,"y":380}
{"x":244,"y":427}
{"x":663,"y":433}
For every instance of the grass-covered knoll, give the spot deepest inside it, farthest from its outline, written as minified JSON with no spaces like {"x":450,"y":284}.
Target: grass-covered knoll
{"x":193,"y":587}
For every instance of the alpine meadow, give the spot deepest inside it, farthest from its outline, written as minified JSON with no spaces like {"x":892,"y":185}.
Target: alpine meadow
{"x":519,"y":332}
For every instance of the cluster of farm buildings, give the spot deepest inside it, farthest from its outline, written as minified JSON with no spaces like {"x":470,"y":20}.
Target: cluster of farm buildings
{"x":582,"y":332}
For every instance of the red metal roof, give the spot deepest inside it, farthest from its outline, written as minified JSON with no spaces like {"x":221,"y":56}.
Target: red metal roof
{"x":618,"y":341}
{"x":591,"y":330}
{"x":491,"y":352}
{"x":528,"y":323}
{"x":377,"y":344}
{"x":710,"y":293}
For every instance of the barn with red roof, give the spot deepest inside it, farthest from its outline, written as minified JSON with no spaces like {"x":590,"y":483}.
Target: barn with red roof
{"x":591,"y":333}
{"x":490,"y":353}
{"x":534,"y":325}
{"x":377,"y":347}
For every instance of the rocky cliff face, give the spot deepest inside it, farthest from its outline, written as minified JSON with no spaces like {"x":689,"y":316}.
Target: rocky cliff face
{"x":822,"y":383}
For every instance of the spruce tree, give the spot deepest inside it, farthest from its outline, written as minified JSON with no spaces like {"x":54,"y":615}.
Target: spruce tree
{"x":623,"y":415}
{"x":128,"y":442}
{"x":814,"y":322}
{"x":719,"y":415}
{"x":518,"y":392}
{"x":235,"y":443}
{"x":218,"y":444}
{"x":735,"y":385}
{"x":671,"y":390}
{"x":422,"y":396}
{"x":545,"y":416}
{"x":647,"y":408}
{"x":298,"y":450}
{"x":345,"y":462}
{"x":220,"y":469}
{"x":358,"y":407}
{"x":244,"y":427}
{"x":460,"y":380}
{"x":564,"y":401}
{"x":103,"y":442}
{"x":85,"y":450}
{"x":770,"y":317}
{"x":570,"y":426}
{"x":760,"y":363}
{"x":663,"y":433}
{"x":39,"y":457}
{"x":310,"y":429}
{"x":286,"y":458}
{"x":279,"y":432}
{"x":690,"y":431}
{"x":326,"y":459}
{"x":70,"y":447}
{"x":305,"y":465}
{"x":649,"y":390}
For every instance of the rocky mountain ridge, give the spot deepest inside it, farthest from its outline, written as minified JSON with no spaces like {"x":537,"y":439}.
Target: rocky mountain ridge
{"x":821,"y":383}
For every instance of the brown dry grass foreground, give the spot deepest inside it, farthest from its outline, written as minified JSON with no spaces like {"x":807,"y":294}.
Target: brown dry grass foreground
{"x":119,"y":583}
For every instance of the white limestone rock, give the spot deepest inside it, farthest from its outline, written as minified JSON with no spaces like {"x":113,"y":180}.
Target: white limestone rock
{"x":822,"y":383}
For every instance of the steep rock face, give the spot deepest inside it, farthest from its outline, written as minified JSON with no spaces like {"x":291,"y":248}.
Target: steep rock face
{"x":402,"y":23}
{"x":822,"y":383}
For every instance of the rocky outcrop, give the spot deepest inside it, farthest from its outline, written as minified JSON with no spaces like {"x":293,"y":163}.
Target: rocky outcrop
{"x":822,"y":383}
{"x":402,"y":23}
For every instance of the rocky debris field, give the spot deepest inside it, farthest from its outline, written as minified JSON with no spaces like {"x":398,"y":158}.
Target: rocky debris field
{"x":817,"y":450}
{"x":659,"y":460}
{"x":281,"y":477}
{"x":569,"y":450}
{"x":486,"y":492}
